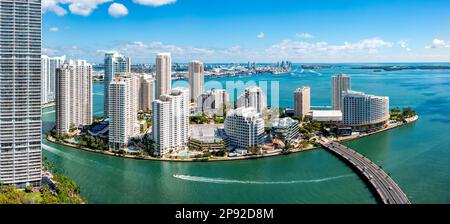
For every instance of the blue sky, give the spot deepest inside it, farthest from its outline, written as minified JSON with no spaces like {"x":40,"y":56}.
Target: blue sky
{"x":250,"y":30}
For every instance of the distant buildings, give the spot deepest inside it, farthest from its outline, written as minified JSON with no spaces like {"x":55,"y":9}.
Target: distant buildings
{"x":123,"y":103}
{"x":196,"y":79}
{"x":146,"y":92}
{"x":213,"y":102}
{"x":114,"y":63}
{"x":73,"y":95}
{"x":253,"y":97}
{"x":244,"y":127}
{"x":48,"y":77}
{"x":340,"y":83}
{"x":302,"y":101}
{"x":20,"y":95}
{"x":163,"y":74}
{"x":363,"y":112}
{"x":170,"y":128}
{"x":286,"y":129}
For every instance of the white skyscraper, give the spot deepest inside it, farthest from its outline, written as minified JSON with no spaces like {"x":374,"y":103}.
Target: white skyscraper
{"x":163,"y":74}
{"x":123,"y":108}
{"x":253,"y":97}
{"x":73,"y":95}
{"x":340,"y":83}
{"x":302,"y":101}
{"x":114,"y":63}
{"x":361,"y":110}
{"x":20,"y":95}
{"x":213,"y":102}
{"x":146,"y":92}
{"x":244,"y":127}
{"x":196,"y":79}
{"x":48,"y":77}
{"x":171,"y":121}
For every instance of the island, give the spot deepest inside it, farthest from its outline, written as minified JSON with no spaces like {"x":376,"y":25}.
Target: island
{"x":310,"y":131}
{"x":398,"y":68}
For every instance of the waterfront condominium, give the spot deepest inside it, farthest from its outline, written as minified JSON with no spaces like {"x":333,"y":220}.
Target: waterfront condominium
{"x":163,"y":74}
{"x":302,"y":102}
{"x":20,"y":92}
{"x":213,"y":102}
{"x":170,"y":128}
{"x":253,"y":96}
{"x":285,"y":129}
{"x":48,"y":76}
{"x":114,"y":63}
{"x":340,"y":83}
{"x":146,"y":92}
{"x":363,"y":112}
{"x":244,"y":128}
{"x":196,"y":79}
{"x":73,"y":96}
{"x":123,"y":107}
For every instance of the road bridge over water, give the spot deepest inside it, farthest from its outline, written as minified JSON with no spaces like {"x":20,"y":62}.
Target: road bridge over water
{"x":380,"y":182}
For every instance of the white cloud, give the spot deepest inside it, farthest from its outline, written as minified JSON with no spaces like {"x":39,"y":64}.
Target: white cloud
{"x":85,"y":7}
{"x":53,"y":6}
{"x":54,"y":29}
{"x":304,"y":35}
{"x":365,"y":50}
{"x":437,"y":43}
{"x":404,"y":44}
{"x":78,"y":7}
{"x":117,"y":10}
{"x":154,"y":3}
{"x":323,"y":50}
{"x":260,"y":35}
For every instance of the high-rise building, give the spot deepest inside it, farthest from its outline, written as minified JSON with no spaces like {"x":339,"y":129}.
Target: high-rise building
{"x":146,"y":92}
{"x":362,"y":111}
{"x":20,"y":92}
{"x":253,"y":96}
{"x":123,"y":108}
{"x":340,"y":83}
{"x":48,"y":76}
{"x":114,"y":63}
{"x":244,"y":127}
{"x":285,"y":129}
{"x":196,"y":79}
{"x":163,"y":74}
{"x":170,"y":125}
{"x":213,"y":102}
{"x":302,"y":101}
{"x":73,"y":95}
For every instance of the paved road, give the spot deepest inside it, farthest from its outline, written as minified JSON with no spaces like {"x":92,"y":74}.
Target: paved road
{"x":385,"y":187}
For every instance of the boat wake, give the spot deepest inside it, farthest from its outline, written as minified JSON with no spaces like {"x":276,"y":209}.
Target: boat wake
{"x":314,"y":72}
{"x":231,"y":181}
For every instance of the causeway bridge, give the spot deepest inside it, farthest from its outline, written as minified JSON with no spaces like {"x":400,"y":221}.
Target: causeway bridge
{"x":387,"y":191}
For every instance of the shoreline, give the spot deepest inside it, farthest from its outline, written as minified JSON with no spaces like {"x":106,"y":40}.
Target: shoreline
{"x":223,"y":159}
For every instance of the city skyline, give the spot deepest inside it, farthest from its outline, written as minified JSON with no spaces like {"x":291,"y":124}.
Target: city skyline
{"x":268,"y":31}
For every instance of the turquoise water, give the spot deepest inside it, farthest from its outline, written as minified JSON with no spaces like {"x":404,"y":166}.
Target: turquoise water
{"x":417,"y":155}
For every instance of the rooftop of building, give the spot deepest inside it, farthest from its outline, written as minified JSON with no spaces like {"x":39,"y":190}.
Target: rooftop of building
{"x":244,"y":112}
{"x":207,"y":132}
{"x":283,"y":122}
{"x":178,"y":91}
{"x":341,"y":75}
{"x":302,"y":88}
{"x":360,"y":94}
{"x":326,"y":113}
{"x":253,"y":89}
